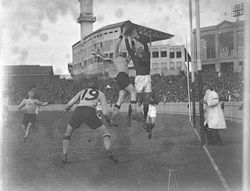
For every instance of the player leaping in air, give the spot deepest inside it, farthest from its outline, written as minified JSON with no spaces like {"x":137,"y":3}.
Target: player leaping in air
{"x":141,"y":59}
{"x":85,"y":113}
{"x":123,"y":81}
{"x":30,"y":106}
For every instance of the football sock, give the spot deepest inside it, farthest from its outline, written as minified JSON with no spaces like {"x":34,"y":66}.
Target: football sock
{"x":116,"y":109}
{"x":129,"y":110}
{"x":27,"y":131}
{"x":145,"y":111}
{"x":107,"y":142}
{"x":65,"y":146}
{"x":133,"y":105}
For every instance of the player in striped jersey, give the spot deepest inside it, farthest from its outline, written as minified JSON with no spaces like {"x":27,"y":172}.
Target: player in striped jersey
{"x":85,"y":113}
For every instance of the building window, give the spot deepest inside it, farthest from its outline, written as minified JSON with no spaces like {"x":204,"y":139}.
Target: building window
{"x":155,"y":66}
{"x":240,"y":43}
{"x":75,"y":67}
{"x":208,"y":67}
{"x":164,"y":65}
{"x":178,"y":65}
{"x":172,"y":65}
{"x":155,"y":54}
{"x":208,"y":46}
{"x":105,"y":45}
{"x":178,"y":54}
{"x":226,"y":44}
{"x":110,"y":45}
{"x":171,"y":54}
{"x":163,"y":53}
{"x":79,"y":68}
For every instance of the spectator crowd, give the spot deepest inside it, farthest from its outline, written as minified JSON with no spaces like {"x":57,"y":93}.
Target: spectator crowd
{"x":166,"y":88}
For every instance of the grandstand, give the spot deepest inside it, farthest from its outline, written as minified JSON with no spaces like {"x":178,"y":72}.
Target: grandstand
{"x":171,"y":88}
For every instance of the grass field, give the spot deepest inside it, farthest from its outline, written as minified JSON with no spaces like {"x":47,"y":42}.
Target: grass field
{"x":173,"y":153}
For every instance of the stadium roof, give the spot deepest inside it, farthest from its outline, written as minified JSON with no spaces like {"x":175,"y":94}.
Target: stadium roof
{"x":120,"y":24}
{"x":27,"y":70}
{"x":145,"y":33}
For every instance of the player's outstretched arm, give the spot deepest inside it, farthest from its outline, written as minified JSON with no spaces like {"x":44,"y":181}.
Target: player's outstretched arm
{"x":40,"y":103}
{"x":101,"y":56}
{"x":117,"y":45}
{"x":107,"y":59}
{"x":128,"y":59}
{"x":21,"y":105}
{"x":145,"y":44}
{"x":73,"y":101}
{"x":131,"y":51}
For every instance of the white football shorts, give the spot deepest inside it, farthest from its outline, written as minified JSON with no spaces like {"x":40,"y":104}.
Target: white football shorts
{"x":152,"y":111}
{"x":143,"y":84}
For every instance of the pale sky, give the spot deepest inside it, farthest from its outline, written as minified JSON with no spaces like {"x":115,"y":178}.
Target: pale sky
{"x":42,"y":32}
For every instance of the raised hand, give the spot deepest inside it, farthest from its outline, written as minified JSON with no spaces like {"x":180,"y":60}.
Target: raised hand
{"x":124,"y":31}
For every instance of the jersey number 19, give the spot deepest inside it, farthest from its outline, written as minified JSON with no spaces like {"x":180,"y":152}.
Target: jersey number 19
{"x":90,"y":94}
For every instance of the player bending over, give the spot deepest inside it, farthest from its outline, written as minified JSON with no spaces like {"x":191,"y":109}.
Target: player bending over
{"x":85,"y":113}
{"x":30,"y":106}
{"x":151,"y":116}
{"x":123,"y":81}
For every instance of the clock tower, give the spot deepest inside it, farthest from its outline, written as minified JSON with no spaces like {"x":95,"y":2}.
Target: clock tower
{"x":86,"y":18}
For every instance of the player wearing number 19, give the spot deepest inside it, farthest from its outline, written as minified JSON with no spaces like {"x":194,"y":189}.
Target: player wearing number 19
{"x":85,"y":113}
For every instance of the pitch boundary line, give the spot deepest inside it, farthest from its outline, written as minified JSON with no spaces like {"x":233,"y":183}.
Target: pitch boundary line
{"x":216,"y":168}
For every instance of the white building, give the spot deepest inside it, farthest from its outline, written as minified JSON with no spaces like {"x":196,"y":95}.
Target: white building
{"x":85,"y":64}
{"x":167,"y":60}
{"x":102,"y":40}
{"x":222,"y":46}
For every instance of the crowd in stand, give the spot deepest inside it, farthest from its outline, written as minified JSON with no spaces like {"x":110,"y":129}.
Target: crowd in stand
{"x":166,"y":88}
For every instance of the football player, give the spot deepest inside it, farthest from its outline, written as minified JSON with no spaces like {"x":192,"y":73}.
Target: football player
{"x":30,"y":106}
{"x":141,"y":59}
{"x":122,"y":79}
{"x":85,"y":113}
{"x":151,"y":116}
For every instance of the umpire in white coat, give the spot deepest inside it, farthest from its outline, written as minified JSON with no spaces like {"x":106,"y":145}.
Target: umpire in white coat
{"x":214,"y":117}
